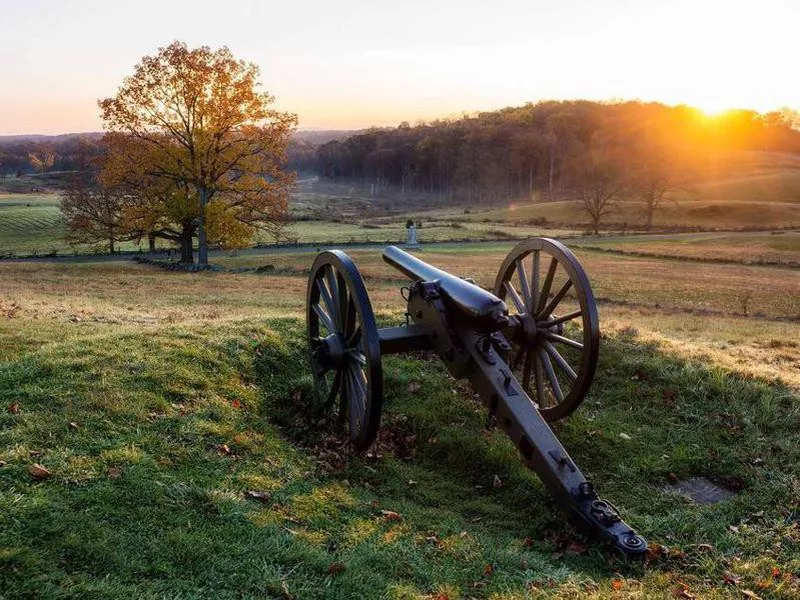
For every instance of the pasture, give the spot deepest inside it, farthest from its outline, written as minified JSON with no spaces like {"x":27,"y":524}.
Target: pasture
{"x":169,"y":410}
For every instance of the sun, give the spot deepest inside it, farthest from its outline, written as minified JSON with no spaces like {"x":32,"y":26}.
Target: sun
{"x":712,"y":106}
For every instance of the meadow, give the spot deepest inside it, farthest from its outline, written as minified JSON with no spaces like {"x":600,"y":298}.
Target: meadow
{"x":170,"y":411}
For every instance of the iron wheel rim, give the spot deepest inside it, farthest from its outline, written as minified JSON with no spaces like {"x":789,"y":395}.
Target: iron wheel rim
{"x":337,"y":304}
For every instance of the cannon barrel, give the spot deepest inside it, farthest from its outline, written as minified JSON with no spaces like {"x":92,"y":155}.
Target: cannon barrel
{"x":488,"y":311}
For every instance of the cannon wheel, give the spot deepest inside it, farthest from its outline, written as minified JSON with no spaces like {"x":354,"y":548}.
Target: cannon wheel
{"x":344,"y":346}
{"x":554,"y":351}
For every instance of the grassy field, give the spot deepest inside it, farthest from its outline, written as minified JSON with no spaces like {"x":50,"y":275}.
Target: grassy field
{"x":778,"y":248}
{"x":158,"y":401}
{"x":30,"y":222}
{"x":759,"y":193}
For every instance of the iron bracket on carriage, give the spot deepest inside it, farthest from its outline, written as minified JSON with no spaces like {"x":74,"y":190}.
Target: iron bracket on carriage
{"x":531,"y":360}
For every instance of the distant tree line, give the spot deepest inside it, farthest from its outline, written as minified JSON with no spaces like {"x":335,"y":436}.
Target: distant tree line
{"x":25,"y":156}
{"x":595,"y":152}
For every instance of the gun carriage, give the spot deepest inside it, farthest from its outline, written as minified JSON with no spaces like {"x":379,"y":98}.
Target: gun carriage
{"x":529,"y":349}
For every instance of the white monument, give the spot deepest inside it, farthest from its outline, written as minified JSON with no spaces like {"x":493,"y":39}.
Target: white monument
{"x":412,"y":237}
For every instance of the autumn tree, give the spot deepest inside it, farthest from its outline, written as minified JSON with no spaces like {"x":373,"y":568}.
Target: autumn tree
{"x":42,"y":161}
{"x":208,"y":130}
{"x":95,"y":214}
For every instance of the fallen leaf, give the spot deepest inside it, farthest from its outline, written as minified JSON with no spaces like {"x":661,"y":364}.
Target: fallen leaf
{"x":113,"y":473}
{"x":524,"y":564}
{"x":414,"y":387}
{"x":285,"y":591}
{"x":733,"y":528}
{"x":3,"y":463}
{"x":672,"y":477}
{"x":496,"y":482}
{"x":576,"y":547}
{"x":38,"y":471}
{"x":764,"y":584}
{"x":13,"y":408}
{"x":625,"y":436}
{"x":488,"y":570}
{"x":34,"y":453}
{"x":236,"y":404}
{"x":751,"y":594}
{"x":705,"y":547}
{"x":776,"y":572}
{"x":654,"y":552}
{"x":412,"y":482}
{"x":527,"y":542}
{"x":73,"y":425}
{"x":260,"y":496}
{"x":297,"y":395}
{"x":390,"y":516}
{"x":616,"y":584}
{"x":336,"y":567}
{"x":731,"y":578}
{"x":682,"y":591}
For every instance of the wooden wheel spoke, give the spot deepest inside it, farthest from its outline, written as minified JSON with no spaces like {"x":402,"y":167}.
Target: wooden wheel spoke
{"x":518,"y":358}
{"x":359,"y":396}
{"x":323,"y":316}
{"x":551,"y":375}
{"x":526,"y":371}
{"x":559,"y":320}
{"x":358,"y":356}
{"x":344,"y":302}
{"x":548,"y":282}
{"x":540,"y":396}
{"x":515,"y":297}
{"x":334,"y":295}
{"x":354,"y":338}
{"x":337,"y":382}
{"x":556,"y":299}
{"x":560,"y":361}
{"x":524,"y":285}
{"x":535,"y":281}
{"x":350,"y":317}
{"x":554,"y":337}
{"x":325,"y":294}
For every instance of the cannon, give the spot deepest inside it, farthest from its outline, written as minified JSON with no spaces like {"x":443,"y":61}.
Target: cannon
{"x":529,"y":348}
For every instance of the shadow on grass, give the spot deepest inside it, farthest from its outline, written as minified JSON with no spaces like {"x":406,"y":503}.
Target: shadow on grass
{"x":650,"y":419}
{"x":154,"y":442}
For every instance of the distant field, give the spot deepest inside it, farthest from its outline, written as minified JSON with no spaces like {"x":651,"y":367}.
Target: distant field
{"x":729,"y":289}
{"x":708,"y":214}
{"x":751,"y":247}
{"x":30,"y":222}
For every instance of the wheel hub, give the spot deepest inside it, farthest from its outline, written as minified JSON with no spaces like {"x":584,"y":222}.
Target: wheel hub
{"x":529,"y":330}
{"x":331,"y":352}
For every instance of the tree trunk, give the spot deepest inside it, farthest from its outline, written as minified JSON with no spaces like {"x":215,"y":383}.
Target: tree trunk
{"x":187,"y":252}
{"x":202,"y":254}
{"x":111,"y":244}
{"x":151,"y":241}
{"x":552,"y":165}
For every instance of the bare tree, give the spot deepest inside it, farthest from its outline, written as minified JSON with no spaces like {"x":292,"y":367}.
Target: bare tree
{"x":95,"y":215}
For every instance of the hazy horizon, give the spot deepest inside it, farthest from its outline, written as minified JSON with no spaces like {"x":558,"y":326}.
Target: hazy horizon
{"x":356,"y":65}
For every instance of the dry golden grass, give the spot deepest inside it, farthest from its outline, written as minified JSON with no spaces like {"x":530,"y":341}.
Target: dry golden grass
{"x":666,"y":299}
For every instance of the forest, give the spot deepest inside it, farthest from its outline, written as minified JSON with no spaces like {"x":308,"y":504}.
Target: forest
{"x":583,"y":148}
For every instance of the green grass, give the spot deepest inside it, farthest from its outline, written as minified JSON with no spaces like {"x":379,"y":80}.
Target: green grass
{"x":30,"y":222}
{"x":778,"y":248}
{"x":158,"y":400}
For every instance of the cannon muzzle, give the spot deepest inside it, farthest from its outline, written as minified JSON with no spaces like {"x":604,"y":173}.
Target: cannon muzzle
{"x":487,"y":310}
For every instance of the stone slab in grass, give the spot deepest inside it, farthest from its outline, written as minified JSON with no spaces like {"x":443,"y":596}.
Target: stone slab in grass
{"x":701,"y":490}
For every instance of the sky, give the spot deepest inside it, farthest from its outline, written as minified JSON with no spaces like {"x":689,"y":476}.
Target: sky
{"x":349,"y":64}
